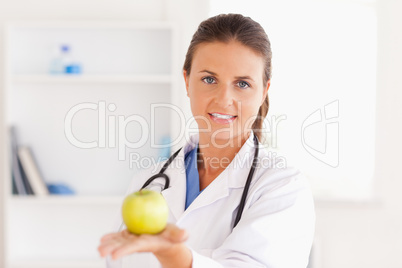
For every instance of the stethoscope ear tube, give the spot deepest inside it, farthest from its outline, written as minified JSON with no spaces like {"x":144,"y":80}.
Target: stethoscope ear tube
{"x":159,"y":175}
{"x":170,"y":160}
{"x":248,"y":182}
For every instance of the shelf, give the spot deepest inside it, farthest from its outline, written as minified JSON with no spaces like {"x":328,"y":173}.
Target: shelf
{"x":66,"y":200}
{"x":95,"y":25}
{"x":86,"y":78}
{"x":57,"y":264}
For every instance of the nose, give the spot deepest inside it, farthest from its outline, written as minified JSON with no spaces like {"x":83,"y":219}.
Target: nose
{"x":224,"y":96}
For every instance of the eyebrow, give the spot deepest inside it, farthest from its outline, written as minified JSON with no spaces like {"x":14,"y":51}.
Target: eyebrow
{"x":237,"y":77}
{"x":206,"y":71}
{"x":244,"y":78}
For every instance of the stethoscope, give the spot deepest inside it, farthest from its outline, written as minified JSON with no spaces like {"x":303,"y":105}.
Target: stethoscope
{"x":161,"y":174}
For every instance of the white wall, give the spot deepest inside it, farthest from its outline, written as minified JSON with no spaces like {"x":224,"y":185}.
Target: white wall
{"x":370,"y":234}
{"x":2,"y":170}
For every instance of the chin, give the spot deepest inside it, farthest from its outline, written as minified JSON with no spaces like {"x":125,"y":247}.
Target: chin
{"x":225,"y":138}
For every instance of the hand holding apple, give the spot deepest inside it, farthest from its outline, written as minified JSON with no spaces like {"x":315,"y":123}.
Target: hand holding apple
{"x":145,"y":212}
{"x":167,"y":246}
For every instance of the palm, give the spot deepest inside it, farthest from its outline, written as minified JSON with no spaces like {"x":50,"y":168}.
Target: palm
{"x":125,"y":243}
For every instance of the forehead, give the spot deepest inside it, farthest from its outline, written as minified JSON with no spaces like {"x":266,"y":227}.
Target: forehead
{"x":232,"y":57}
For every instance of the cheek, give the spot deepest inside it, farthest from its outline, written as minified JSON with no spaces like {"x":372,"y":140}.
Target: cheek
{"x":249,"y":110}
{"x":197,"y":103}
{"x":193,"y":90}
{"x":251,"y":105}
{"x":198,"y":98}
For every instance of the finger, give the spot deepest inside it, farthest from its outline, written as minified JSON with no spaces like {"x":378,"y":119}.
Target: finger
{"x":106,"y":248}
{"x":109,"y":236}
{"x":133,"y":245}
{"x":126,"y":234}
{"x":123,"y":251}
{"x":112,"y":242}
{"x":174,"y":234}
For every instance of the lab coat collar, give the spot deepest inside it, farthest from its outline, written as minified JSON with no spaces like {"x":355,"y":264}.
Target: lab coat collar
{"x":234,"y":176}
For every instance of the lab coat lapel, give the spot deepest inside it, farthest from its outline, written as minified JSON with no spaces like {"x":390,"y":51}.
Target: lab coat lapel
{"x":218,"y":189}
{"x":175,"y":195}
{"x":234,"y":176}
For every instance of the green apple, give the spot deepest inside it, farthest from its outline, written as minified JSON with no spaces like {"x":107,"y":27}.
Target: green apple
{"x":145,"y":212}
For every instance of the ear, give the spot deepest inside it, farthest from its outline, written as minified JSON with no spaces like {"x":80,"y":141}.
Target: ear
{"x":186,"y":80}
{"x":264,"y":95}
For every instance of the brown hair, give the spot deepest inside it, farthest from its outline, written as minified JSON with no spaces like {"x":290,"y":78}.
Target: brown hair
{"x":235,"y":27}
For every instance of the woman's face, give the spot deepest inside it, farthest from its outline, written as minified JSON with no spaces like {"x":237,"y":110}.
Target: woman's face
{"x":226,"y":90}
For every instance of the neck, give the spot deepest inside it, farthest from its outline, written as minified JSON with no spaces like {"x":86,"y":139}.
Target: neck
{"x":215,"y":155}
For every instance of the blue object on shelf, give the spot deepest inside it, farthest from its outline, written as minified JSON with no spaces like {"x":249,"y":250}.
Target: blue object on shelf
{"x":60,"y":188}
{"x":65,"y":48}
{"x":73,"y":69}
{"x":164,"y":153}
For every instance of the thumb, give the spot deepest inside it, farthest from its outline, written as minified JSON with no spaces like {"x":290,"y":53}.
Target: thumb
{"x":174,"y":234}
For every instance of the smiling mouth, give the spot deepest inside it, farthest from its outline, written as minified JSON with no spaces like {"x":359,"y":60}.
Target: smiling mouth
{"x":223,"y":116}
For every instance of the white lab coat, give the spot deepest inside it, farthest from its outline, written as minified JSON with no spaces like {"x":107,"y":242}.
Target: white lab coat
{"x":276,"y":228}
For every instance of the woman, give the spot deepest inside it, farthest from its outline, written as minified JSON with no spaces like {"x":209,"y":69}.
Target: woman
{"x":227,"y":74}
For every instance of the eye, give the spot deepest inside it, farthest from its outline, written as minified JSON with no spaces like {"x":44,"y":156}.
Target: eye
{"x":243,"y":84}
{"x":208,"y":80}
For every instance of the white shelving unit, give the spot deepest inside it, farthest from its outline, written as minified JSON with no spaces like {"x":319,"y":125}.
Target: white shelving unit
{"x":77,"y":79}
{"x":127,"y":66}
{"x":58,"y":264}
{"x":66,"y":200}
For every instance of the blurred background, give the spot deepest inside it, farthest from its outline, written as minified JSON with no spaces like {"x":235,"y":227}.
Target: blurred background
{"x":92,"y":91}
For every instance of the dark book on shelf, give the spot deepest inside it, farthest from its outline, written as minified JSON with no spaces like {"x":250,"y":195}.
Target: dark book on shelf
{"x":19,"y":184}
{"x":27,"y":185}
{"x":14,"y":187}
{"x":31,"y":170}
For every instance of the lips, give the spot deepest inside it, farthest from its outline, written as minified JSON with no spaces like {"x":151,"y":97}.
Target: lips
{"x":222,"y":118}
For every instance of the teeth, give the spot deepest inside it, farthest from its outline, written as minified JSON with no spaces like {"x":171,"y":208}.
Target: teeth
{"x":223,"y":116}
